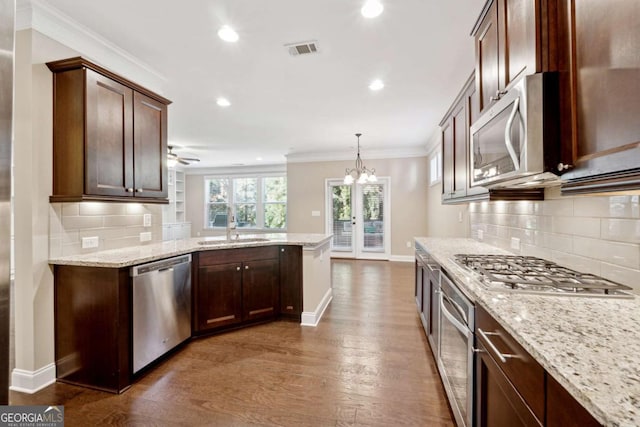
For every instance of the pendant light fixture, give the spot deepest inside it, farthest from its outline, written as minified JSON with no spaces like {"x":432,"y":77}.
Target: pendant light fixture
{"x":360,"y":173}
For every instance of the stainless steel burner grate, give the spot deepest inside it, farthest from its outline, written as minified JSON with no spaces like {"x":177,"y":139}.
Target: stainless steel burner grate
{"x":536,"y":275}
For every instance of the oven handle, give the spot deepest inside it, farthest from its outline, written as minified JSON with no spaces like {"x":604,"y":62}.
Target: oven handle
{"x":507,"y":134}
{"x":457,"y":307}
{"x":502,"y":356}
{"x":451,"y":318}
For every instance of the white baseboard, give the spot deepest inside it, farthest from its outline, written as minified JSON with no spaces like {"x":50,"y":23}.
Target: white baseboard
{"x":32,"y":381}
{"x":402,"y":258}
{"x":312,"y":318}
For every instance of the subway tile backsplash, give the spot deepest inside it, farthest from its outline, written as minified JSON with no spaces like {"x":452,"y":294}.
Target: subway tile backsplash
{"x":117,"y":225}
{"x":595,"y":234}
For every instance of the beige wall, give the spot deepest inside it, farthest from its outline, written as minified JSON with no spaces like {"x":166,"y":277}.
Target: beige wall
{"x":594,"y":234}
{"x":33,"y":289}
{"x":409,"y":205}
{"x":194,"y":202}
{"x":444,"y":220}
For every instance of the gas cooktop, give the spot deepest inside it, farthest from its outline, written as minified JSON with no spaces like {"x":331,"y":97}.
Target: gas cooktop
{"x":535,"y":275}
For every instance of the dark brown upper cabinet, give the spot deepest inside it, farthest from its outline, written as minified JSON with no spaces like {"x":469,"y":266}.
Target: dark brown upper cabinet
{"x":601,"y":93}
{"x":513,"y":38}
{"x":455,"y":148}
{"x":456,"y":141}
{"x":109,"y":136}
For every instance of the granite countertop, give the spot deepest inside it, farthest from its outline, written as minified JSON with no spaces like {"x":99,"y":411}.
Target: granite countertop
{"x":117,"y":258}
{"x":589,"y":345}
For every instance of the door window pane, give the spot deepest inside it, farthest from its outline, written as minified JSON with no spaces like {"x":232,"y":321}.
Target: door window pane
{"x":373,"y":217}
{"x":341,"y":217}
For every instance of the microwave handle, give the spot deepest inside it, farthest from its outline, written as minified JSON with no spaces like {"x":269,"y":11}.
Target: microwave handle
{"x":507,"y":134}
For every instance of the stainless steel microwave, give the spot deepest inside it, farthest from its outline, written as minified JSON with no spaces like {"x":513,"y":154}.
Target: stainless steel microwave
{"x":516,"y":142}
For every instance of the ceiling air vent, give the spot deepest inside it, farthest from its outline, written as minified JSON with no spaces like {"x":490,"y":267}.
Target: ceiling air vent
{"x":302,"y":48}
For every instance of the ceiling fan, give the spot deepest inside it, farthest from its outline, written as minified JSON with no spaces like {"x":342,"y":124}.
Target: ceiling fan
{"x":171,"y":156}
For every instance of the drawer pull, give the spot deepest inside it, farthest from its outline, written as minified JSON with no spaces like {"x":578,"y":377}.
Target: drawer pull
{"x":503,"y":357}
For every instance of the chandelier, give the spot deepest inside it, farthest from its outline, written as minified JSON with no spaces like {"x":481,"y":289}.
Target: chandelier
{"x":360,"y":173}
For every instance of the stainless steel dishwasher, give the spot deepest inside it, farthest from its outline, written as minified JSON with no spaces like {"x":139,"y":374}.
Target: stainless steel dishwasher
{"x":161,"y":308}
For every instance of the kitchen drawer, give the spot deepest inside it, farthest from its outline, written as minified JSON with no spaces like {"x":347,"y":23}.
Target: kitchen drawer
{"x":521,"y":369}
{"x":225,"y":256}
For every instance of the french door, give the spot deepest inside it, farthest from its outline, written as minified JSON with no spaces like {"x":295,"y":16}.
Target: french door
{"x":358,"y":217}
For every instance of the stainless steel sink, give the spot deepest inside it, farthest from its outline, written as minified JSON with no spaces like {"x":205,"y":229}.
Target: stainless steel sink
{"x":233,"y":240}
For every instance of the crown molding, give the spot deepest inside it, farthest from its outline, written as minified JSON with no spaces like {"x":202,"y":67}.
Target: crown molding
{"x":49,"y":21}
{"x":253,"y":170}
{"x":328,"y":156}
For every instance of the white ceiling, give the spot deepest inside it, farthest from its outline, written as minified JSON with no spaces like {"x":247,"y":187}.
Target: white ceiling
{"x":283,"y":104}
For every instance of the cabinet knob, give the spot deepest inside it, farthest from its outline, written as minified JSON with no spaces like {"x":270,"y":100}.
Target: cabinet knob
{"x":564,"y":167}
{"x":282,"y":250}
{"x":246,"y":267}
{"x":139,"y":190}
{"x":238,"y":268}
{"x":129,"y":190}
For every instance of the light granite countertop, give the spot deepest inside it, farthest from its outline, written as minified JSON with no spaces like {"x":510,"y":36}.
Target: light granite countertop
{"x":589,"y":345}
{"x":117,"y":258}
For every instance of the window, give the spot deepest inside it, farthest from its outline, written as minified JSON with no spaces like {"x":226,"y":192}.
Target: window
{"x":435,"y":168}
{"x":275,"y":202}
{"x":257,"y":202}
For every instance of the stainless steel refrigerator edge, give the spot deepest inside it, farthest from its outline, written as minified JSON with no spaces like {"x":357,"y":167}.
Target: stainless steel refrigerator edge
{"x":7,"y":23}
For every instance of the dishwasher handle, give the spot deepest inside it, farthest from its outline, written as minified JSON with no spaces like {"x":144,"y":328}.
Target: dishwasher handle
{"x":162,"y":265}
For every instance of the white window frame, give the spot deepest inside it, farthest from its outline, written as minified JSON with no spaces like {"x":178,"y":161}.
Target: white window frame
{"x":435,"y":165}
{"x":260,"y":202}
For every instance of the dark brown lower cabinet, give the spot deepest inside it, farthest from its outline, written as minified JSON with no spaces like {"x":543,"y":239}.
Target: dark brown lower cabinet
{"x":222,"y":284}
{"x":291,"y":282}
{"x":93,"y":327}
{"x":260,"y":289}
{"x":236,"y":286}
{"x":498,"y":403}
{"x":563,"y":410}
{"x":517,"y":391}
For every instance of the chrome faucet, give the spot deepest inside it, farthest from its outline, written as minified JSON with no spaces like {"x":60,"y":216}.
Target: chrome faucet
{"x":231,"y":222}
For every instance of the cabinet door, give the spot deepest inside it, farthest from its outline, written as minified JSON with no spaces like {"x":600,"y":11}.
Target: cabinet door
{"x":219,"y":295}
{"x":604,"y":69}
{"x":460,"y":144}
{"x":497,"y":401}
{"x":109,"y":139}
{"x":150,"y":147}
{"x":291,"y":280}
{"x":518,"y":39}
{"x":447,"y":159}
{"x":260,"y":289}
{"x":487,"y":60}
{"x":563,"y":410}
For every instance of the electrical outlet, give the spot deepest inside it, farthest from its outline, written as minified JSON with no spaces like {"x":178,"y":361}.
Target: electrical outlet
{"x":90,"y":242}
{"x":145,"y":237}
{"x":515,"y":243}
{"x":315,"y":213}
{"x":146,"y":220}
{"x":459,"y":216}
{"x":480,"y":234}
{"x":408,"y":244}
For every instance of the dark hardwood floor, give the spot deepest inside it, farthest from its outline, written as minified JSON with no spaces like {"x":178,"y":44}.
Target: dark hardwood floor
{"x":366,"y":364}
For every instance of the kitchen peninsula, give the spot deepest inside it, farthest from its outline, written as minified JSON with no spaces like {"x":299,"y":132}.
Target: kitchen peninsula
{"x":235,"y":283}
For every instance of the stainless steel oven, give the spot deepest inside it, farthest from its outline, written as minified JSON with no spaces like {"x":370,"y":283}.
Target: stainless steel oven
{"x":455,"y":354}
{"x":516,"y":141}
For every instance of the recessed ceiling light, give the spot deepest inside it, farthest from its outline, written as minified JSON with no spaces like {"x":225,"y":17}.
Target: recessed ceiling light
{"x":377,"y":84}
{"x":223,"y":102}
{"x":259,"y":159}
{"x":228,"y":34}
{"x":371,"y":9}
